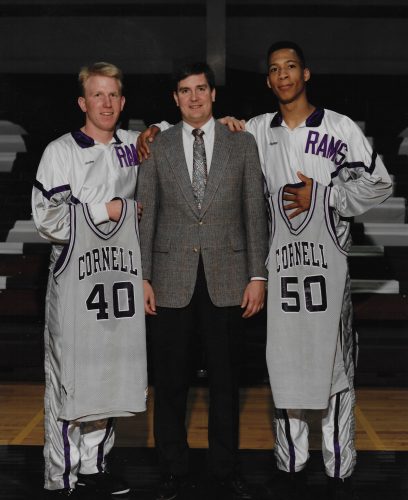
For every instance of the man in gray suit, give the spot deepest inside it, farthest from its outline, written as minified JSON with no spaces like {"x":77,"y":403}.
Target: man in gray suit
{"x":204,"y":244}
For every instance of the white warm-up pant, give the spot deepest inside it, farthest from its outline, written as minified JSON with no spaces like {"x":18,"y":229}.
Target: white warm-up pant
{"x":69,"y":447}
{"x":292,"y":437}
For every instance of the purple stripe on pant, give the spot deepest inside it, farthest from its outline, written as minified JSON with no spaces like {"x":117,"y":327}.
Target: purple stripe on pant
{"x":102,"y":445}
{"x":336,"y":444}
{"x":292,"y":456}
{"x":67,"y":454}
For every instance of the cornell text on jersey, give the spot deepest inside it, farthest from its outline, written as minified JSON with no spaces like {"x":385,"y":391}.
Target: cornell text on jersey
{"x":108,"y":258}
{"x":300,"y":253}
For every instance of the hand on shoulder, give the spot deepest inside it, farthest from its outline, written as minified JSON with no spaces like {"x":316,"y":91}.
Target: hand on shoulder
{"x":144,"y":140}
{"x":233,"y":123}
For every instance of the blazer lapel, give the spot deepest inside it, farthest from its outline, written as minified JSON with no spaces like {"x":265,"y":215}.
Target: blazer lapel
{"x":177,"y":160}
{"x":221,"y":152}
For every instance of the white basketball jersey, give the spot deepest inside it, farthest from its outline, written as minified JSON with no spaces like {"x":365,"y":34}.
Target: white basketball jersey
{"x":307,"y":272}
{"x":100,"y":317}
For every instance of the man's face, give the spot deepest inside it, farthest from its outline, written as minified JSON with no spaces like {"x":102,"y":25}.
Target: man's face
{"x":286,"y":76}
{"x":102,"y":103}
{"x":194,"y":98}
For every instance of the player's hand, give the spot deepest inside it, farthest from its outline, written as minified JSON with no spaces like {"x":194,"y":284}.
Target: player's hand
{"x":144,"y":140}
{"x":233,"y":123}
{"x":299,"y":196}
{"x":139,"y":210}
{"x":149,"y":299}
{"x":114,"y":209}
{"x":254,"y":298}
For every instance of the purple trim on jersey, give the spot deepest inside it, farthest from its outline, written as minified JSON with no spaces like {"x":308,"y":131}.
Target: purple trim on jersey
{"x":117,"y":140}
{"x":358,"y":164}
{"x":310,"y":212}
{"x":49,"y":194}
{"x":61,"y":259}
{"x":292,"y":454}
{"x":137,"y":224}
{"x":74,"y":200}
{"x":330,"y":222}
{"x":277,"y":120}
{"x":272,"y":216}
{"x":100,"y":456}
{"x":336,"y":443}
{"x":66,"y":253}
{"x":316,"y":118}
{"x":67,"y":454}
{"x":83,"y":140}
{"x":99,"y":232}
{"x":313,"y":120}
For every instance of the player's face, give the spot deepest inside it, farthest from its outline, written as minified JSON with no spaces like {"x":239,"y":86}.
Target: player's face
{"x":286,"y":76}
{"x":194,"y":98}
{"x":102,"y":103}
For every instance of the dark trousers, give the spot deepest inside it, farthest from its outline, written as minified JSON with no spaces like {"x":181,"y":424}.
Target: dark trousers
{"x":173,"y":334}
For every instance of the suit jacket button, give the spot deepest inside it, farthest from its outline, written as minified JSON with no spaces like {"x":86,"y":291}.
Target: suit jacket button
{"x":201,"y":222}
{"x":195,"y":249}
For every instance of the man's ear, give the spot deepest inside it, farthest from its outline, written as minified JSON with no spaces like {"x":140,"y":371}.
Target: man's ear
{"x":176,"y":98}
{"x":213,"y":95}
{"x":122,"y":102}
{"x":306,"y":74}
{"x":82,"y":103}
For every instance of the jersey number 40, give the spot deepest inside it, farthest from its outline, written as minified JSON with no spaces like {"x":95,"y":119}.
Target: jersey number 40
{"x":97,"y":300}
{"x":313,"y":294}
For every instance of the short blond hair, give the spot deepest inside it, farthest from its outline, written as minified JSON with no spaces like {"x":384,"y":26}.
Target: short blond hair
{"x":101,"y":68}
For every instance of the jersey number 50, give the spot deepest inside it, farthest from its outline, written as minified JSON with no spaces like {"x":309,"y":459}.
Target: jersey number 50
{"x":96,"y":300}
{"x":291,"y":296}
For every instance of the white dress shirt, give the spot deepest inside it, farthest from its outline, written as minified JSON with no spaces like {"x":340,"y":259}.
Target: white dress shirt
{"x":188,"y":142}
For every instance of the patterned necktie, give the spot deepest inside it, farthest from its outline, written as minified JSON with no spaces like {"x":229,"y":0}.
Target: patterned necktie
{"x":199,"y":166}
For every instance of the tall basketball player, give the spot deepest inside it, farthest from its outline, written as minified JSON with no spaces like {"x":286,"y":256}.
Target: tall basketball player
{"x":95,"y":363}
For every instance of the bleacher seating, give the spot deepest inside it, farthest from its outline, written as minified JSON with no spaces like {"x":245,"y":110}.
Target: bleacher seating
{"x":11,"y":143}
{"x":378,"y":267}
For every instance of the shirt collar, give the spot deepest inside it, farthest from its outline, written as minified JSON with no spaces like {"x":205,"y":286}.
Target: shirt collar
{"x":313,"y":120}
{"x":207,"y":128}
{"x":84,"y":141}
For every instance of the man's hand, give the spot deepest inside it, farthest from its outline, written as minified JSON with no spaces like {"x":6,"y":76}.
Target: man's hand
{"x":233,"y":123}
{"x":254,"y":298}
{"x":114,"y":209}
{"x":139,"y":210}
{"x":299,"y":196}
{"x":149,"y":299}
{"x":144,"y":140}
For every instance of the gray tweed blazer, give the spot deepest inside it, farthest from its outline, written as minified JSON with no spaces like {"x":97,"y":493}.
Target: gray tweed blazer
{"x":230,"y":231}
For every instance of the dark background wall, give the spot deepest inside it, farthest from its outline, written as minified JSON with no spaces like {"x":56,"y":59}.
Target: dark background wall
{"x":356,"y":50}
{"x":148,"y":36}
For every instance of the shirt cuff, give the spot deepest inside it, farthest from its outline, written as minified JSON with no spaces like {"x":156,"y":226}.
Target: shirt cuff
{"x":162,"y":125}
{"x":99,"y":213}
{"x":258,"y":278}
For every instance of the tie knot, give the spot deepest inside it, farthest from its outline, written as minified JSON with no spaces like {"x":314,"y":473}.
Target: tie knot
{"x":197,"y":132}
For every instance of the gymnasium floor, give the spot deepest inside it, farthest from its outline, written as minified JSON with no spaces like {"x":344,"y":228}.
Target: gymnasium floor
{"x":381,"y":439}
